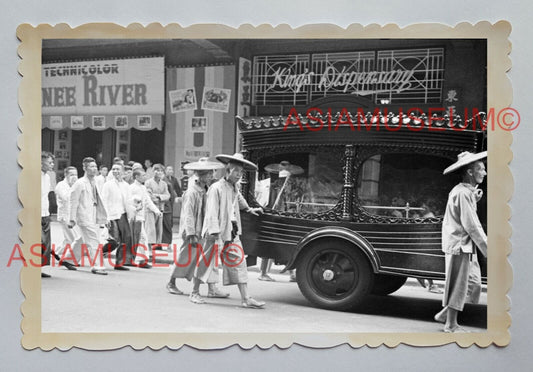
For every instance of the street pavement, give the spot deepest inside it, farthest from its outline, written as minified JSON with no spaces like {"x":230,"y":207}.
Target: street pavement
{"x":137,"y":301}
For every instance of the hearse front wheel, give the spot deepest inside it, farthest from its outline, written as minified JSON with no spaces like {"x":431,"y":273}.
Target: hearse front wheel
{"x":334,"y":275}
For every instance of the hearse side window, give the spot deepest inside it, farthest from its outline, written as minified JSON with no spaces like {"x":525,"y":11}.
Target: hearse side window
{"x":404,"y":185}
{"x":305,"y":182}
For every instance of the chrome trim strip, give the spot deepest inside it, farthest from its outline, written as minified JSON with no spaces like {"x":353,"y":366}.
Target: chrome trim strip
{"x":407,"y":271}
{"x":274,"y":241}
{"x":411,"y":253}
{"x":378,"y":243}
{"x":409,"y":249}
{"x":400,"y":232}
{"x":398,"y":238}
{"x":285,"y":226}
{"x":262,"y":231}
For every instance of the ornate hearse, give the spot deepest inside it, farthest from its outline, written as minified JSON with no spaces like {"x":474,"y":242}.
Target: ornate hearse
{"x":353,"y":201}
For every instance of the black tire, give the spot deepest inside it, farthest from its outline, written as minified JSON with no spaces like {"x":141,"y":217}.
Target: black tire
{"x":386,"y":284}
{"x":334,"y":275}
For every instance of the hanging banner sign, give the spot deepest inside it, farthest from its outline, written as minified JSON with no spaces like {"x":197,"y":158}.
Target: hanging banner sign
{"x":129,"y":86}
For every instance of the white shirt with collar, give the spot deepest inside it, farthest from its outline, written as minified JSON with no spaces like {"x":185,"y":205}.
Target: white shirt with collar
{"x":45,"y":189}
{"x":116,"y":197}
{"x":62,"y":191}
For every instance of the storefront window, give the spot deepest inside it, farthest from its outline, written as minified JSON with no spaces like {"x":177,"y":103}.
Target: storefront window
{"x":404,"y":185}
{"x":308,"y":182}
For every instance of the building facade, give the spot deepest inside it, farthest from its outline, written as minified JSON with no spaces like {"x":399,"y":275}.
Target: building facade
{"x":173,"y":101}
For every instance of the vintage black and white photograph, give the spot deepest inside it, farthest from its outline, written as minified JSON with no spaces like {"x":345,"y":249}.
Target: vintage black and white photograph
{"x":62,"y":135}
{"x":123,"y":148}
{"x":98,"y":122}
{"x":199,"y":124}
{"x":343,"y":190}
{"x":144,"y":121}
{"x":121,"y":121}
{"x":56,"y":122}
{"x":76,"y":122}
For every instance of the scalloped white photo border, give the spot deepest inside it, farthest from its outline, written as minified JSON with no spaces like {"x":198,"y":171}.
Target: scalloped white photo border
{"x":499,"y":230}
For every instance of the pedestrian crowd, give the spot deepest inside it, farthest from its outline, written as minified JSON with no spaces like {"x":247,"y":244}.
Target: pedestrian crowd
{"x":130,"y":209}
{"x":135,"y":205}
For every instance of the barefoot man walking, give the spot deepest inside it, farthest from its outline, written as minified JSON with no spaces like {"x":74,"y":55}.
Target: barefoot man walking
{"x":222,"y":227}
{"x":191,"y":222}
{"x":461,"y":234}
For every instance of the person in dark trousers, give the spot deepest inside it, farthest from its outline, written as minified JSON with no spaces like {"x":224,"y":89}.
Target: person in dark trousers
{"x":47,"y":165}
{"x":168,"y":212}
{"x":116,"y":196}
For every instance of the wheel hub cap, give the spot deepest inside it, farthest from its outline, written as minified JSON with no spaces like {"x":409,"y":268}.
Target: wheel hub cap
{"x":328,"y":275}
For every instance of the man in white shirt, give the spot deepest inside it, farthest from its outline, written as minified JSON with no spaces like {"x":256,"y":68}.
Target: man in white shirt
{"x":87,"y":211}
{"x":102,"y":177}
{"x":70,"y":236}
{"x":141,"y":203}
{"x":117,"y":201}
{"x":47,"y":164}
{"x":128,"y":174}
{"x":149,"y":169}
{"x":158,"y":191}
{"x":116,"y":160}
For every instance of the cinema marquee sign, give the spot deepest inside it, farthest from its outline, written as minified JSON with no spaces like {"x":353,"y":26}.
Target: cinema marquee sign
{"x":129,"y":86}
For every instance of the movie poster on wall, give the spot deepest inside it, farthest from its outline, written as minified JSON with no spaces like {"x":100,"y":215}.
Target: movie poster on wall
{"x":56,"y":122}
{"x":216,"y":99}
{"x":144,"y":121}
{"x":182,"y":100}
{"x":76,"y":122}
{"x":98,"y":122}
{"x":121,"y":122}
{"x":199,"y":124}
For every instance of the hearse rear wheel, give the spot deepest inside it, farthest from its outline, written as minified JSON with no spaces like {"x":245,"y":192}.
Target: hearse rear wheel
{"x":334,"y":275}
{"x":386,"y":284}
